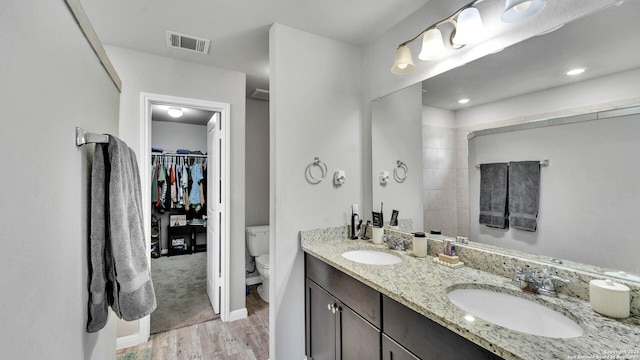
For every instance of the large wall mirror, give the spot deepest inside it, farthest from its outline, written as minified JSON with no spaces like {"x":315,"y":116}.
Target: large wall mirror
{"x":512,"y":95}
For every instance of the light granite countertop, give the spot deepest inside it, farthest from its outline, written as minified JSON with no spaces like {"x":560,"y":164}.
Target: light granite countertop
{"x":422,"y":285}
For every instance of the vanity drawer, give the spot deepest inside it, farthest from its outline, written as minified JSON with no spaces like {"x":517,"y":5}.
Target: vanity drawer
{"x":359,"y":297}
{"x":425,"y":338}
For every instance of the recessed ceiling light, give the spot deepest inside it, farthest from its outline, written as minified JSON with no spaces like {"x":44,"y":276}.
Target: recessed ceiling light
{"x":576,"y":71}
{"x":175,"y":112}
{"x":463,"y":101}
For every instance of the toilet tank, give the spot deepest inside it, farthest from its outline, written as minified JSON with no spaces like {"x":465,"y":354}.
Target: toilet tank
{"x":257,"y":238}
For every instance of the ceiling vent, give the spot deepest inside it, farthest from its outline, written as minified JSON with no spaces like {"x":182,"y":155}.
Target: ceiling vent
{"x":187,"y":42}
{"x":260,"y":94}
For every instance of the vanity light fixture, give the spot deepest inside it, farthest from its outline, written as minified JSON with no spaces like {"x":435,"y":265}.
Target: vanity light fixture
{"x":468,"y":28}
{"x":175,"y":112}
{"x":403,"y":62}
{"x":576,"y":71}
{"x":518,"y":10}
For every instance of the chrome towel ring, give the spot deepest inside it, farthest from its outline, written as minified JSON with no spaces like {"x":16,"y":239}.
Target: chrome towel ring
{"x":401,"y":171}
{"x":323,"y":171}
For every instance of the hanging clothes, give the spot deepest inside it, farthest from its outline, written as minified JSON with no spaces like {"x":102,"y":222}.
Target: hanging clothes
{"x":196,"y":176}
{"x":154,"y":185}
{"x":161,"y":184}
{"x":174,"y":190}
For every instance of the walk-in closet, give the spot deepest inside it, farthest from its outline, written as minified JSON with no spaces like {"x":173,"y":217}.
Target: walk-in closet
{"x":179,"y":195}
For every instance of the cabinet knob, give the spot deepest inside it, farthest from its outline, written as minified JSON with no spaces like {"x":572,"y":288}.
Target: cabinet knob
{"x":333,"y":309}
{"x":329,"y":306}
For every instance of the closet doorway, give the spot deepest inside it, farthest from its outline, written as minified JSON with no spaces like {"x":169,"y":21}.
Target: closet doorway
{"x":216,"y":205}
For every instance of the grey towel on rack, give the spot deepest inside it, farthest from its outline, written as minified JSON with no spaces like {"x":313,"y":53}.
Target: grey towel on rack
{"x":98,"y":283}
{"x":524,"y":194}
{"x":120,"y":268}
{"x":493,"y":195}
{"x":134,"y":296}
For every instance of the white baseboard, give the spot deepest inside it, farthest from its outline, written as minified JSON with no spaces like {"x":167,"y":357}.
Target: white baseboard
{"x":128,"y":341}
{"x":253,"y":280}
{"x":238,"y":314}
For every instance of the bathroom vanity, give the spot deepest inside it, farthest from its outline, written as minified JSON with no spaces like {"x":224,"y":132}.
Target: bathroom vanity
{"x":345,"y":320}
{"x":402,"y":311}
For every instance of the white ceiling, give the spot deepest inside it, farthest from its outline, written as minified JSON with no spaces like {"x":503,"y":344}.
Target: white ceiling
{"x":160,"y":112}
{"x":238,"y":29}
{"x":604,"y":42}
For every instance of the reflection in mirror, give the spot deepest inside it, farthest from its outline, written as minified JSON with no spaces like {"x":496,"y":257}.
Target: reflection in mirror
{"x":521,"y":84}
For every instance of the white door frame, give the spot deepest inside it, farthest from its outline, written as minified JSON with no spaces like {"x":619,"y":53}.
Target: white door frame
{"x":146,"y":100}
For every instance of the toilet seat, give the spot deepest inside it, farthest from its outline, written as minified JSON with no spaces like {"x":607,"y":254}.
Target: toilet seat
{"x":263,"y":261}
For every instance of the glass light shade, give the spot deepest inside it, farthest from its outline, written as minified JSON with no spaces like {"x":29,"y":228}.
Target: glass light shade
{"x":175,"y":112}
{"x":403,"y":62}
{"x":432,"y":45}
{"x":469,"y":27}
{"x":518,"y":10}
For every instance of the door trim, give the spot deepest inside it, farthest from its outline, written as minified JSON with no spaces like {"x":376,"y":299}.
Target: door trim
{"x":146,"y":100}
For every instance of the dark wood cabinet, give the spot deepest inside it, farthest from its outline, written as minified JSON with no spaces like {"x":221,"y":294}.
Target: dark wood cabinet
{"x":346,"y":319}
{"x":321,"y":323}
{"x":391,"y":350}
{"x":335,"y":329}
{"x":425,"y":338}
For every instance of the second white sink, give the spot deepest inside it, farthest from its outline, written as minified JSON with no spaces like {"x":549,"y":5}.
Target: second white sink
{"x":371,"y":257}
{"x":515,"y":313}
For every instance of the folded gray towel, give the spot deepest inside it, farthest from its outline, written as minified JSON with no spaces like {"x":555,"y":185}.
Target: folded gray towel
{"x":493,"y":195}
{"x":524,"y":194}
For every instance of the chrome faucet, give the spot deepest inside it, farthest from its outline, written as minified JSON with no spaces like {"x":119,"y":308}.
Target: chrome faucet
{"x":535,"y":281}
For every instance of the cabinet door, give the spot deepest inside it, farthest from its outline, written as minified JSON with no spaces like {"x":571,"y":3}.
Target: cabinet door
{"x":393,"y":351}
{"x":320,"y":323}
{"x":357,"y":338}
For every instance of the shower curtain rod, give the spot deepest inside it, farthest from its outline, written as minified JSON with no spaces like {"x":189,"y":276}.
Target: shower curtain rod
{"x":543,"y":163}
{"x":84,"y":137}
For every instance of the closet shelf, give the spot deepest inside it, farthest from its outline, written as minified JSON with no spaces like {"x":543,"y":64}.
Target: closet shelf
{"x":178,"y":155}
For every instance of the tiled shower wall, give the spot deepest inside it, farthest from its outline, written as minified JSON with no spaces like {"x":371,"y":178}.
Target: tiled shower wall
{"x":442,"y":204}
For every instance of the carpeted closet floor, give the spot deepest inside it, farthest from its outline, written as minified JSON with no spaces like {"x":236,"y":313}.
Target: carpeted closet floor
{"x":180,"y":283}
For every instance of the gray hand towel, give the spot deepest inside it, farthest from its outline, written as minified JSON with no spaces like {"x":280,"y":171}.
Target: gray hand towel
{"x":493,"y":195}
{"x":524,"y":194}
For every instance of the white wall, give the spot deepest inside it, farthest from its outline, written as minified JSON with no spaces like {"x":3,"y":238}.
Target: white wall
{"x":314,"y":111}
{"x":257,"y":163}
{"x":257,"y":171}
{"x":396,"y":133}
{"x":141,"y":72}
{"x":172,"y":136}
{"x":588,"y":195}
{"x":51,"y":81}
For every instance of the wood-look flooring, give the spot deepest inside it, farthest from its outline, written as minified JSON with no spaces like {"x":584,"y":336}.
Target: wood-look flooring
{"x":244,"y":339}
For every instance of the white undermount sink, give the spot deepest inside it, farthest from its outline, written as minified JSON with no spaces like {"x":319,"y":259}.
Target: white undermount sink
{"x":515,"y":313}
{"x":371,"y":257}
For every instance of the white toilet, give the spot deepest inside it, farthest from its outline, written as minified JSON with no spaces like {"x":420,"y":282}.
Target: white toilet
{"x":257,"y":238}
